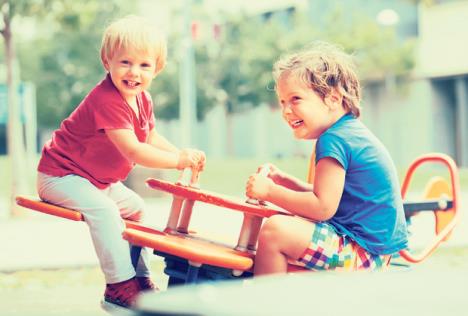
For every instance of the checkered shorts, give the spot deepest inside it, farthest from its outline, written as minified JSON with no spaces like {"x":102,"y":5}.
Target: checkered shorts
{"x":328,"y":250}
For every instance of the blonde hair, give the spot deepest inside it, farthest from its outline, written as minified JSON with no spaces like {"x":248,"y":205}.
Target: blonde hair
{"x":137,"y":33}
{"x":324,"y":67}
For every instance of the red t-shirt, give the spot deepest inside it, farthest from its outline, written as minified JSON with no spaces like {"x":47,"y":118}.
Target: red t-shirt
{"x":80,"y":146}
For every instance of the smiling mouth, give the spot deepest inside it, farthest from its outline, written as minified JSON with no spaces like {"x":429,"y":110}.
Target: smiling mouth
{"x":131,"y":84}
{"x":296,"y":123}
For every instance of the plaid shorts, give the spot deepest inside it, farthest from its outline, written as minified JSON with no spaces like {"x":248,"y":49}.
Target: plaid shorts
{"x":328,"y":250}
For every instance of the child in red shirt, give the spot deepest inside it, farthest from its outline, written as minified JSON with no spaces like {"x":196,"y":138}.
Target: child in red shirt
{"x":96,"y":147}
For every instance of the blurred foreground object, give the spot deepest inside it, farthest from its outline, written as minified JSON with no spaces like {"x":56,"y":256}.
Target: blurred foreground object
{"x":420,"y":292}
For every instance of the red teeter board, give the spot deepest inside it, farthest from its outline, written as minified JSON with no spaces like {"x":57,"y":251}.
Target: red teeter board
{"x":213,"y":198}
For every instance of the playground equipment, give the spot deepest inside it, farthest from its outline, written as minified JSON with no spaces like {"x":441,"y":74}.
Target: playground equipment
{"x":190,"y":259}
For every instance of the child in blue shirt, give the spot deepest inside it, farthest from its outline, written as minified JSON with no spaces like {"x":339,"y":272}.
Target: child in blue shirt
{"x":352,"y":216}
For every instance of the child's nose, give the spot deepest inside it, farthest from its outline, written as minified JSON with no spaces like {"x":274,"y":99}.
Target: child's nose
{"x":286,"y":108}
{"x":134,"y":70}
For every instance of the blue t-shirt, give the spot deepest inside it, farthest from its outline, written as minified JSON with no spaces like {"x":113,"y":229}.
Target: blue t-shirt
{"x":371,"y":209}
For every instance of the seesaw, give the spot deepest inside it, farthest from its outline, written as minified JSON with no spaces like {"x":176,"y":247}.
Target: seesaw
{"x":190,"y":259}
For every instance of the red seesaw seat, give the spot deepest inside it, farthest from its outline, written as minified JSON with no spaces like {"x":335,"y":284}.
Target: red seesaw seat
{"x":195,"y":250}
{"x":37,"y":204}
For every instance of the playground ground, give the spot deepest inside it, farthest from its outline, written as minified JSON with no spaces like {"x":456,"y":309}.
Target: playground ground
{"x":77,"y":291}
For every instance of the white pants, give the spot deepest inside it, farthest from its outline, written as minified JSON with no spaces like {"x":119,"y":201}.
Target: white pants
{"x":103,"y":211}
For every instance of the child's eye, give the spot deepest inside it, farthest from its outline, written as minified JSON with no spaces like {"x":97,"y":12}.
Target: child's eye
{"x":295,"y":100}
{"x":145,"y":65}
{"x":124,"y":62}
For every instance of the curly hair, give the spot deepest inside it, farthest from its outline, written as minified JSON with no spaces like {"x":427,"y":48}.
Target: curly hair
{"x":323,"y":67}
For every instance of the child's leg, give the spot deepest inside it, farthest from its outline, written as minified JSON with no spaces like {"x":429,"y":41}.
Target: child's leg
{"x":102,"y":216}
{"x":131,"y":207}
{"x":280,"y":238}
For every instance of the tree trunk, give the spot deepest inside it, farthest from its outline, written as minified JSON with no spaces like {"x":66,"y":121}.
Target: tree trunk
{"x":15,"y":139}
{"x":229,"y":136}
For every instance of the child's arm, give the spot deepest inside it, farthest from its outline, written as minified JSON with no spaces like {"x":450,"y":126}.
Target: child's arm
{"x":157,"y":140}
{"x":320,"y":204}
{"x":149,"y":156}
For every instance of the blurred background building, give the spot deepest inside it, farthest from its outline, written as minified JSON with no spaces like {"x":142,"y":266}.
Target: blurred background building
{"x":421,"y":111}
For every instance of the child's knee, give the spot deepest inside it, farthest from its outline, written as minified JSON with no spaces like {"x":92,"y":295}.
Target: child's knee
{"x":138,"y":210}
{"x":104,"y":212}
{"x":271,"y":230}
{"x":136,"y":216}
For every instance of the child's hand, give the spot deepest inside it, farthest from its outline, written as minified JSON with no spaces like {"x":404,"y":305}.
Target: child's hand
{"x":191,"y":158}
{"x":258,"y":187}
{"x":202,"y":161}
{"x":274,"y":173}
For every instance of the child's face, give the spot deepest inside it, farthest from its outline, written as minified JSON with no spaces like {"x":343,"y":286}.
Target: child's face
{"x":303,"y":109}
{"x":131,"y":72}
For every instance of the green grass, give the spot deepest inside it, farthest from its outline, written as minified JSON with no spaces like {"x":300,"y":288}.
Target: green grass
{"x":229,"y":176}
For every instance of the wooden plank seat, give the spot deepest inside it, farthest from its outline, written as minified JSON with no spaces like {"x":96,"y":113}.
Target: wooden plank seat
{"x":37,"y":204}
{"x":196,"y":251}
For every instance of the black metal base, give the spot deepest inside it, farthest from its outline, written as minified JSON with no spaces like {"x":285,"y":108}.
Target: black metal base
{"x":181,"y":272}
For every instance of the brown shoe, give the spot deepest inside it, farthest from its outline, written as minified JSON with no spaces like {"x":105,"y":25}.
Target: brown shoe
{"x":146,"y":284}
{"x":123,"y":293}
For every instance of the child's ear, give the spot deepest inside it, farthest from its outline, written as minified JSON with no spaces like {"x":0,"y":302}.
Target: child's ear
{"x":334,"y":99}
{"x":159,"y":67}
{"x":105,"y":63}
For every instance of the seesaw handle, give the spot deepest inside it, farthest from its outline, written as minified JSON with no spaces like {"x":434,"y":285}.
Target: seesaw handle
{"x":189,"y":178}
{"x":182,"y":213}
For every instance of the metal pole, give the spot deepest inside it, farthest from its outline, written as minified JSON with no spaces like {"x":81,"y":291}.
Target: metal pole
{"x":187,"y":104}
{"x":461,"y":119}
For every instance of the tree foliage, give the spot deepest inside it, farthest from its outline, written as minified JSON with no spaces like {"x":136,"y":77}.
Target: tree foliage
{"x":64,"y":62}
{"x":238,"y":73}
{"x":9,"y":12}
{"x":233,"y":70}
